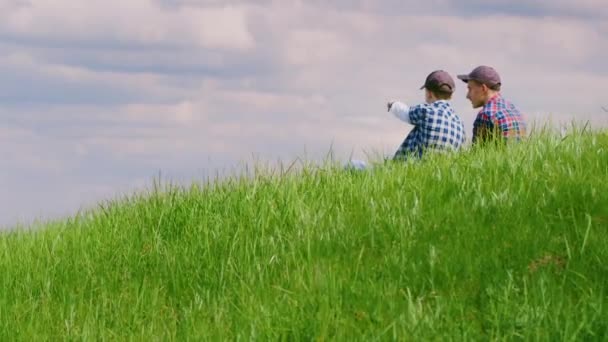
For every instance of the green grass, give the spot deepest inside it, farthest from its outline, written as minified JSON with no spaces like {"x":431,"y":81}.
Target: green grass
{"x":496,"y":243}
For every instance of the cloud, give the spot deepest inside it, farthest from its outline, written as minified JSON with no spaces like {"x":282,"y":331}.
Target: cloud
{"x":97,"y":96}
{"x":125,"y":23}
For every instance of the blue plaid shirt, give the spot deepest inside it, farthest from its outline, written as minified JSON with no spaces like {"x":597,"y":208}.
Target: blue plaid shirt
{"x":437,"y":127}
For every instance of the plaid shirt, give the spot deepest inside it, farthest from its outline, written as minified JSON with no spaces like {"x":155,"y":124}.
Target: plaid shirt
{"x":437,"y":127}
{"x":499,"y":114}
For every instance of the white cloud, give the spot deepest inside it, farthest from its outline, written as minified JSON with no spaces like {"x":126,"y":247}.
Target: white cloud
{"x":119,"y":89}
{"x":128,"y":22}
{"x":19,"y":151}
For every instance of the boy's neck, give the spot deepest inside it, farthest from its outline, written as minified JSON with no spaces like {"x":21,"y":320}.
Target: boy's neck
{"x":433,"y":100}
{"x":491,"y":96}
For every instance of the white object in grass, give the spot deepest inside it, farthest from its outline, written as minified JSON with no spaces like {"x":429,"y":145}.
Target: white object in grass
{"x":356,"y":164}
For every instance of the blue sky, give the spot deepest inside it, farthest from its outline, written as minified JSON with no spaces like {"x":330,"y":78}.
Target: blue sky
{"x":97,"y":98}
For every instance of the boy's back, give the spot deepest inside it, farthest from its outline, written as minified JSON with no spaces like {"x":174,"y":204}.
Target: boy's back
{"x":436,"y":124}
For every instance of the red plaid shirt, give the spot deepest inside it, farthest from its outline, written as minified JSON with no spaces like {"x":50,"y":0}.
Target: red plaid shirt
{"x":499,"y":114}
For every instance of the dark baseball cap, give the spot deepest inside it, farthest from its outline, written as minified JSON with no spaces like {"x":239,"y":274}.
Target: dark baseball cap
{"x":482,"y":74}
{"x":439,"y":80}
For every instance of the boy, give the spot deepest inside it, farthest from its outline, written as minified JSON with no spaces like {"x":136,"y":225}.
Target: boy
{"x":436,"y":124}
{"x":498,"y":118}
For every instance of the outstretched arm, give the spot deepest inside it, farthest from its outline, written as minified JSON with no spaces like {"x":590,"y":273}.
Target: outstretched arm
{"x":400,"y":110}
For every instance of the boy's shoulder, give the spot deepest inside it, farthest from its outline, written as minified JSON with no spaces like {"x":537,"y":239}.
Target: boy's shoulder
{"x":436,"y":112}
{"x":497,"y":107}
{"x":441,"y":105}
{"x":442,"y":108}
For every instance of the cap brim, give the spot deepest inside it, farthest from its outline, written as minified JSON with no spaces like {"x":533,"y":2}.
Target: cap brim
{"x":464,"y":78}
{"x":423,"y":86}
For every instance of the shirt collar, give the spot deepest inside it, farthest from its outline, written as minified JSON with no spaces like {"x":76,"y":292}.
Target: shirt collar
{"x":494,"y":98}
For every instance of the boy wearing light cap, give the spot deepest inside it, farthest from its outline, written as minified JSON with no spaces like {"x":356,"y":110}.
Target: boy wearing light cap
{"x":436,"y":124}
{"x":497,"y":117}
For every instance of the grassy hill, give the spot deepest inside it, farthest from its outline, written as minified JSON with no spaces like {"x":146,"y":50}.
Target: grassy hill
{"x":488,"y":244}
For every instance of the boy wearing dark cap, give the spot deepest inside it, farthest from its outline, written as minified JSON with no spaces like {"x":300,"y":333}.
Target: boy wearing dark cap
{"x":497,"y":117}
{"x":436,"y":124}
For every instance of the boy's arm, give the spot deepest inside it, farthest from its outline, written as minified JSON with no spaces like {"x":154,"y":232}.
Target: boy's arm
{"x":400,"y":110}
{"x":483,"y":127}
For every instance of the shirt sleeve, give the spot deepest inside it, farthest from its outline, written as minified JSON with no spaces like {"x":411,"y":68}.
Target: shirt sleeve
{"x":401,"y":111}
{"x":483,"y":126}
{"x":418,"y":114}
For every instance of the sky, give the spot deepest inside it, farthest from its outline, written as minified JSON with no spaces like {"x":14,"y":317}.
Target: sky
{"x":99,"y":98}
